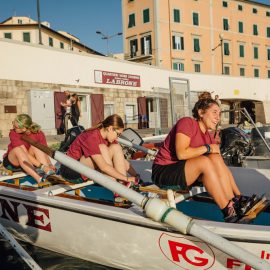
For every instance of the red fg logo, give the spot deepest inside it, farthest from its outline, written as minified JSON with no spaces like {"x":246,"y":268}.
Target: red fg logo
{"x":185,"y":253}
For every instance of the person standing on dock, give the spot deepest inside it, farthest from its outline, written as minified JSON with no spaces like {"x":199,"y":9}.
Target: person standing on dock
{"x":23,"y":156}
{"x":75,"y":110}
{"x":98,"y":149}
{"x":190,"y":152}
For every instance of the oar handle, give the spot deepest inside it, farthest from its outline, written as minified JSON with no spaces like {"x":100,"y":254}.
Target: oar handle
{"x":40,"y":146}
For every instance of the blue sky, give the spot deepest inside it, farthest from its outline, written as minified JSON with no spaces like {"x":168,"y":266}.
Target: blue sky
{"x":81,"y":18}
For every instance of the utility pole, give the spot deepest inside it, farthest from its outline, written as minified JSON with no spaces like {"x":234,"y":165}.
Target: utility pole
{"x":39,"y":23}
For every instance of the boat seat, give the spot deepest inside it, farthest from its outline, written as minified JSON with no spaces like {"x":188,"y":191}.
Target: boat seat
{"x":172,"y":193}
{"x":15,"y":176}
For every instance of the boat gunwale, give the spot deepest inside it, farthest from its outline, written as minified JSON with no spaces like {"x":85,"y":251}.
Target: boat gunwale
{"x":131,"y":215}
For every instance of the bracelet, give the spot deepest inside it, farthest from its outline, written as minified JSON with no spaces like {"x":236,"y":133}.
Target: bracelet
{"x":209,"y":150}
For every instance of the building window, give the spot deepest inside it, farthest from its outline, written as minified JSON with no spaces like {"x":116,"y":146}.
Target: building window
{"x":267,"y":13}
{"x":179,"y":66}
{"x":255,"y":29}
{"x":50,"y":41}
{"x":131,"y":115}
{"x":196,"y":45}
{"x":195,"y":17}
{"x":8,"y":35}
{"x":256,"y":52}
{"x":108,"y":109}
{"x":268,"y":54}
{"x":26,"y":37}
{"x":178,"y":43}
{"x":240,"y":27}
{"x":254,"y":10}
{"x":242,"y":71}
{"x":61,"y":45}
{"x":268,"y":32}
{"x":268,"y":73}
{"x":131,"y":20}
{"x":241,"y":50}
{"x":133,"y":47}
{"x":225,"y":24}
{"x":197,"y":67}
{"x":20,"y":21}
{"x":224,"y":4}
{"x":146,"y":16}
{"x":146,"y":45}
{"x":256,"y":73}
{"x":226,"y":48}
{"x":240,"y":7}
{"x":176,"y":15}
{"x":227,"y":70}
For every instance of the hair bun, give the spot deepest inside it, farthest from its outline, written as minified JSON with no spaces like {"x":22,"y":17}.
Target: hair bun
{"x":205,"y":95}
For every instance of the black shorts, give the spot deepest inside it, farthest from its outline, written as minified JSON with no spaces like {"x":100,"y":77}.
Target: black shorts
{"x":172,"y":175}
{"x":70,"y":175}
{"x":9,"y":166}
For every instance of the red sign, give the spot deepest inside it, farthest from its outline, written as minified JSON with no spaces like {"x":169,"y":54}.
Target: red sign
{"x":108,"y":77}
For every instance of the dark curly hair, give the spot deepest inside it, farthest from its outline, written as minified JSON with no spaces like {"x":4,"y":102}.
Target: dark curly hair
{"x":202,"y":104}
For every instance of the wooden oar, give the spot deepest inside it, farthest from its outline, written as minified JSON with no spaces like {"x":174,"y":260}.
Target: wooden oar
{"x":159,"y":211}
{"x":18,"y":248}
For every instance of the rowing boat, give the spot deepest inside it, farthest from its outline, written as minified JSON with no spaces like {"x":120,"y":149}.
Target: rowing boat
{"x":60,"y":219}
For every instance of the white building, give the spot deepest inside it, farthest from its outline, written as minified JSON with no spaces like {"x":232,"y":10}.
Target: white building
{"x":33,"y":78}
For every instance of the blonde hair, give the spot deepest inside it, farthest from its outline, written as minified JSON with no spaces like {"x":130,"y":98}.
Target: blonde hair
{"x":25,"y":121}
{"x":113,"y":120}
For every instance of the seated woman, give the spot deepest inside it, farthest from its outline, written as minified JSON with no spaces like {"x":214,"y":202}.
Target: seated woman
{"x":190,"y":152}
{"x":21,"y":155}
{"x":97,"y":148}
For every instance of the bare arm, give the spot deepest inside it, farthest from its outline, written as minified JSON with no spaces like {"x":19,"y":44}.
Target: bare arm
{"x":184,"y":151}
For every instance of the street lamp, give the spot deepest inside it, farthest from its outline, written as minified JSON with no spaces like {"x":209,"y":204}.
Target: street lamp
{"x":107,"y":37}
{"x":221,"y":46}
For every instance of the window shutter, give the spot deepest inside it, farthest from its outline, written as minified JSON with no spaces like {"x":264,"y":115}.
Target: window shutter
{"x":196,"y":45}
{"x":182,"y":43}
{"x":242,"y":51}
{"x":142,"y":46}
{"x":176,"y":15}
{"x":150,"y":44}
{"x":173,"y":42}
{"x":268,"y":32}
{"x":146,"y":17}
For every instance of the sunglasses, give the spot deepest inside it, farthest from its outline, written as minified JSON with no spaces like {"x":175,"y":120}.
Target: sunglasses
{"x":117,"y":133}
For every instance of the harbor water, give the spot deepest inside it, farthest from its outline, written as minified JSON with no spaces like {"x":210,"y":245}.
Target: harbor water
{"x":47,"y":260}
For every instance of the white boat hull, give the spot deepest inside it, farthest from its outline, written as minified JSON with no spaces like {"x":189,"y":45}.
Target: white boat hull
{"x":117,"y":237}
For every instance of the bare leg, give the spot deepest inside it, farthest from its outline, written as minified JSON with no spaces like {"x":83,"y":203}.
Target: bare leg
{"x":18,"y":156}
{"x":117,"y":158}
{"x":38,"y":158}
{"x":204,"y":166}
{"x":224,"y":176}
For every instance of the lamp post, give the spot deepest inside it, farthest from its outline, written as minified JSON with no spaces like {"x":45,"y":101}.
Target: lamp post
{"x":221,"y":47}
{"x":107,"y":37}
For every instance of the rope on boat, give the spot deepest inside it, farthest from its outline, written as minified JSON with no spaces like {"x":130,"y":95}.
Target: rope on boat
{"x":18,"y":248}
